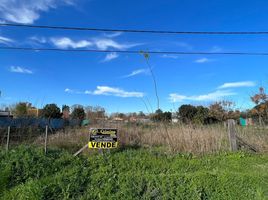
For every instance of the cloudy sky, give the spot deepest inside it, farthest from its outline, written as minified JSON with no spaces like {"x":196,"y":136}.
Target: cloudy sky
{"x":122,"y":82}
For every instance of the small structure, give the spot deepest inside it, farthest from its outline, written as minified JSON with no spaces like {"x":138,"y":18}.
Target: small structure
{"x":246,"y":122}
{"x":174,"y":118}
{"x":133,"y":119}
{"x":5,"y":114}
{"x":144,"y":120}
{"x":118,"y":119}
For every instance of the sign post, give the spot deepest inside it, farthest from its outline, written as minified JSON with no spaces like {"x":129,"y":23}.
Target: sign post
{"x":102,"y":138}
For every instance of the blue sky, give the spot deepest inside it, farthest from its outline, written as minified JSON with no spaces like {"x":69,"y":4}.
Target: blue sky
{"x":122,"y":82}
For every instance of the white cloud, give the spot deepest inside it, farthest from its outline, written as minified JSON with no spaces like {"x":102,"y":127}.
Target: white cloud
{"x":68,"y":90}
{"x":5,"y":40}
{"x":27,"y":11}
{"x":202,"y":60}
{"x":99,"y":43}
{"x":137,"y":72}
{"x":111,"y":91}
{"x":113,"y":35}
{"x":205,"y":97}
{"x":215,"y":49}
{"x":107,"y":91}
{"x":105,"y":43}
{"x":65,"y":43}
{"x":38,"y":39}
{"x":17,"y":69}
{"x":237,"y":84}
{"x":110,"y":56}
{"x":170,"y":56}
{"x":72,"y":91}
{"x":184,"y":45}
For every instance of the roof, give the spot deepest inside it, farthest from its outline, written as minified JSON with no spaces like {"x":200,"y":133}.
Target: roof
{"x":5,"y":113}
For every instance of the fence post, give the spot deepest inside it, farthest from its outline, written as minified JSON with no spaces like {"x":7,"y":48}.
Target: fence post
{"x":8,"y":135}
{"x":232,"y":135}
{"x":46,"y":139}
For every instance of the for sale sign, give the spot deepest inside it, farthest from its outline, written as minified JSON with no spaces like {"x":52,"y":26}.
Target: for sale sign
{"x":104,"y":138}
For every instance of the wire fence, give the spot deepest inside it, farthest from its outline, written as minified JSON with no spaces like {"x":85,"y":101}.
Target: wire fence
{"x":44,"y":132}
{"x":176,"y":137}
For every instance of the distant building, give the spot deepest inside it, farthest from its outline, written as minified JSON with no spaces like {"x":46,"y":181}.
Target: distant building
{"x":5,"y":114}
{"x":174,"y":118}
{"x":133,"y":119}
{"x":144,"y":120}
{"x":118,"y":119}
{"x":246,"y":122}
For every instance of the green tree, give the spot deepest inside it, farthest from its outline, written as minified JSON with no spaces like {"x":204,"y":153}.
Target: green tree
{"x":160,"y":116}
{"x":187,"y":113}
{"x":141,"y":114}
{"x":21,"y":109}
{"x":201,"y":115}
{"x":65,"y":108}
{"x":78,"y":113}
{"x":51,"y":111}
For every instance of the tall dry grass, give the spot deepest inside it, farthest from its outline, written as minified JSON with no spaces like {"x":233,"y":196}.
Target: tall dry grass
{"x":174,"y":138}
{"x":178,"y":138}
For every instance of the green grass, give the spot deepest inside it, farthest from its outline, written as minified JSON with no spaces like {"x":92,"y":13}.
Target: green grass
{"x":26,"y":173}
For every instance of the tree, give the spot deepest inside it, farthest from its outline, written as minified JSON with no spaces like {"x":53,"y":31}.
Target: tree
{"x":94,"y":113}
{"x":201,"y":115}
{"x":187,"y":113}
{"x":194,"y":114}
{"x":160,"y":116}
{"x":51,"y":111}
{"x":261,"y":101}
{"x":166,"y":116}
{"x":141,"y":114}
{"x":217,"y":112}
{"x":21,"y":109}
{"x":65,"y":108}
{"x":78,"y":113}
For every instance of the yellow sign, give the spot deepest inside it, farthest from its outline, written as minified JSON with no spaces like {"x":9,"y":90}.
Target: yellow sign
{"x":102,"y":145}
{"x":105,"y":138}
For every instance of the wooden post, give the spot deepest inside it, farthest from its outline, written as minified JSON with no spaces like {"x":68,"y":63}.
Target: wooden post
{"x":232,"y":135}
{"x":100,"y":151}
{"x":80,"y":150}
{"x":46,"y":139}
{"x":8,"y":135}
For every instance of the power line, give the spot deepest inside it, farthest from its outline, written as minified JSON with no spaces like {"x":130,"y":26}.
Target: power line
{"x":137,"y":30}
{"x":136,"y":51}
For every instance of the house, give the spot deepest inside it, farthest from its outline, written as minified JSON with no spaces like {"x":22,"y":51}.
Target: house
{"x":5,"y":114}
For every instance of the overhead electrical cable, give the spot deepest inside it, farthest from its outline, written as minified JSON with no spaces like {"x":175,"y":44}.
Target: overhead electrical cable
{"x":136,"y":30}
{"x":136,"y":51}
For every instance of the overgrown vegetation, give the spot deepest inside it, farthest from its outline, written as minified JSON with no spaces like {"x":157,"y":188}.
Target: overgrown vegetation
{"x":26,"y":173}
{"x":195,"y":139}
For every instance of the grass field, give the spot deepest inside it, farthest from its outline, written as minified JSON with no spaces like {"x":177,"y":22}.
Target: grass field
{"x":26,"y":173}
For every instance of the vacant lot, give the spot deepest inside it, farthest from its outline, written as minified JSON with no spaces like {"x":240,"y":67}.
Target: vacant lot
{"x":26,"y":173}
{"x":180,"y":138}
